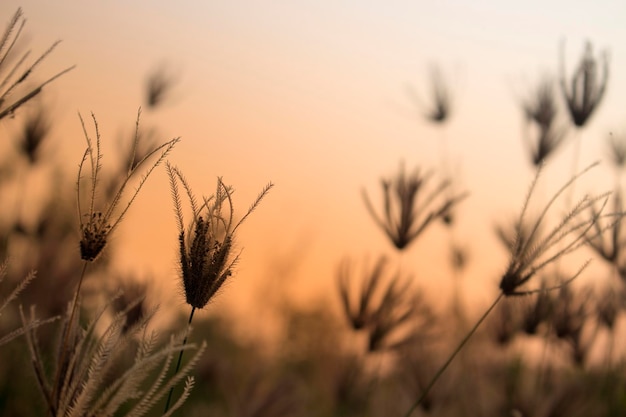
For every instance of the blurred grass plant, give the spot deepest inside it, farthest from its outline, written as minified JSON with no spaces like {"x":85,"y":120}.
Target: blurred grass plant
{"x":541,"y":111}
{"x":587,"y":86}
{"x":385,"y":307}
{"x":409,"y":207}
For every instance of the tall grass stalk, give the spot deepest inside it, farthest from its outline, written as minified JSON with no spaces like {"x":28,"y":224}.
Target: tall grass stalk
{"x":453,"y":355}
{"x":205,"y":244}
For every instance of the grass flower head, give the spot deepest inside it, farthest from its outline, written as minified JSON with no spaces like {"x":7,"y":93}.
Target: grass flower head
{"x":587,"y":86}
{"x":96,"y":225}
{"x":441,"y":98}
{"x":530,"y":252}
{"x":409,"y":208}
{"x":207,"y":241}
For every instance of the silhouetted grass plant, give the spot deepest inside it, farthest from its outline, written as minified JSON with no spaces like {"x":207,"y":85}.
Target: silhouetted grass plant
{"x":206,"y":243}
{"x":386,"y":307}
{"x":98,"y":223}
{"x":541,"y":111}
{"x":527,"y":260}
{"x":410,"y":206}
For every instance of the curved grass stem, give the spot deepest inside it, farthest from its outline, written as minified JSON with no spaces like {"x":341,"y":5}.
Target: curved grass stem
{"x":180,"y":358}
{"x":453,"y":355}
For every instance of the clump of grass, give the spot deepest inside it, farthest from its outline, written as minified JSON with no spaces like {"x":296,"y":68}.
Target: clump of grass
{"x":89,"y":383}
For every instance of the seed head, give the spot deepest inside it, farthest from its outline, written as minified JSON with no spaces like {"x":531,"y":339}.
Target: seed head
{"x":587,"y":86}
{"x":541,"y":111}
{"x":440,"y":107}
{"x":96,"y":225}
{"x":94,"y":236}
{"x":409,"y":208}
{"x":527,"y":258}
{"x":159,"y":86}
{"x":205,"y":245}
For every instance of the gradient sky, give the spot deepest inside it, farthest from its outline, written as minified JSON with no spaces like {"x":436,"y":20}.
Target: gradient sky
{"x":313,"y":96}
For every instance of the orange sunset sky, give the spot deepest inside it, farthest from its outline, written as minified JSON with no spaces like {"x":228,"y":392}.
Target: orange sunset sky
{"x":312,"y":95}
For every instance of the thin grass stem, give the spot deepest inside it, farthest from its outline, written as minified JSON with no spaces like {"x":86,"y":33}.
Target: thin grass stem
{"x":453,"y":355}
{"x":66,"y":333}
{"x":180,"y":359}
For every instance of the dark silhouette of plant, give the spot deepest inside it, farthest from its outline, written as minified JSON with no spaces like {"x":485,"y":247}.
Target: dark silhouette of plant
{"x":541,"y":110}
{"x":409,"y":207}
{"x":504,"y":325}
{"x":571,"y":311}
{"x":159,"y":84}
{"x":585,"y":90}
{"x":537,"y":309}
{"x":530,"y":254}
{"x":440,"y":104}
{"x":384,"y":306}
{"x":15,"y":292}
{"x":35,"y":130}
{"x":96,"y":225}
